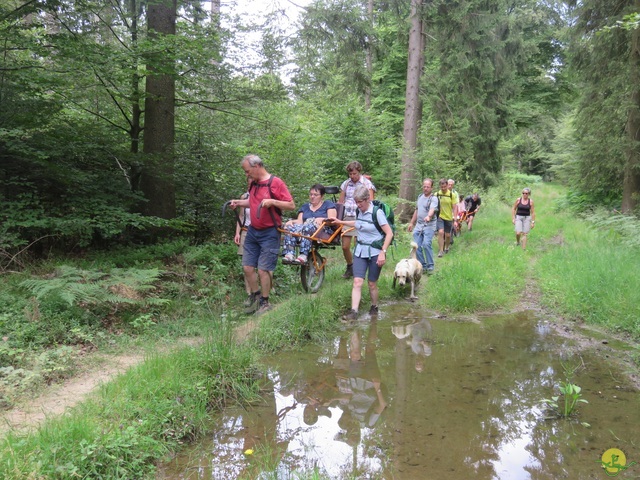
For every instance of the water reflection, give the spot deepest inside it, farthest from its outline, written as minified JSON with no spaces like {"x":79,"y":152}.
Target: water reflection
{"x":413,"y":397}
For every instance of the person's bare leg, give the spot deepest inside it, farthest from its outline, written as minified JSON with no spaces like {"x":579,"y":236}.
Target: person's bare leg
{"x":440,"y":241}
{"x":356,"y":293}
{"x":265,"y":282}
{"x":523,"y":241}
{"x":346,"y":250}
{"x":251,"y":278}
{"x":373,"y":292}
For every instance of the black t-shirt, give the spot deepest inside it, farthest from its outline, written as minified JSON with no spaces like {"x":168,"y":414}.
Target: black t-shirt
{"x":472,"y":204}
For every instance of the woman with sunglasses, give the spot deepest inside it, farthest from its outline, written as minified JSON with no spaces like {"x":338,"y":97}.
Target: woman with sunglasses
{"x":524,"y":217}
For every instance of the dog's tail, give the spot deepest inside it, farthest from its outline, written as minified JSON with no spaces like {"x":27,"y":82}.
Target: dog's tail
{"x":414,"y":249}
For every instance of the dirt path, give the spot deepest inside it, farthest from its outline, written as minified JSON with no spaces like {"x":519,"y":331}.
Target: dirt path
{"x":57,"y":399}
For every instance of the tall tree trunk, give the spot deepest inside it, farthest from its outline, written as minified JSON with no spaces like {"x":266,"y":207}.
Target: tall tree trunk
{"x":156,"y":181}
{"x":412,"y":113}
{"x":369,"y":59}
{"x":631,"y":182}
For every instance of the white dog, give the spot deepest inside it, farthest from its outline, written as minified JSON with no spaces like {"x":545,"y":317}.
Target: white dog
{"x":408,"y":270}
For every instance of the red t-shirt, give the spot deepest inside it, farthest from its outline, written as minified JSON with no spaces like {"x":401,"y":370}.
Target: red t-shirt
{"x":258,"y":192}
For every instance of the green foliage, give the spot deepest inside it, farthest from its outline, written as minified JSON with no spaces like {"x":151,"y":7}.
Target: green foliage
{"x":571,"y":395}
{"x":74,"y":286}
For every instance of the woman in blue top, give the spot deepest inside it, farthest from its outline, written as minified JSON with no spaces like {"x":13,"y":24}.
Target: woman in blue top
{"x":369,"y":254}
{"x":310,"y":216}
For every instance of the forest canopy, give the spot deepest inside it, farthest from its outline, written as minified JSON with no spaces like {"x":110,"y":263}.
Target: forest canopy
{"x":123,"y":120}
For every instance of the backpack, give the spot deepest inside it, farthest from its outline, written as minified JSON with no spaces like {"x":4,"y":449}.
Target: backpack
{"x":254,"y":184}
{"x":437,"y":212}
{"x":388,"y":212}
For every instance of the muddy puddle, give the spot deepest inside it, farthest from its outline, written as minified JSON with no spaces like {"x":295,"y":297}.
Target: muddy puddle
{"x":412,"y":396}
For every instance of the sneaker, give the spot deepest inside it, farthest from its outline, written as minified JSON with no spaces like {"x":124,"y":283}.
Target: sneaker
{"x":302,"y":259}
{"x":446,"y":250}
{"x":350,"y":315}
{"x":265,"y":306}
{"x":373,"y":311}
{"x":348,"y":273}
{"x":430,"y":271}
{"x":252,"y":302}
{"x":440,"y":254}
{"x":288,"y":258}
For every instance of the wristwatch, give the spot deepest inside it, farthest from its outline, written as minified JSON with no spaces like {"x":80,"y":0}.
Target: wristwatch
{"x":384,"y":250}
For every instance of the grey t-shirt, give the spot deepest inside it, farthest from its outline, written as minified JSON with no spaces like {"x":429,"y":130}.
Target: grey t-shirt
{"x":424,"y":205}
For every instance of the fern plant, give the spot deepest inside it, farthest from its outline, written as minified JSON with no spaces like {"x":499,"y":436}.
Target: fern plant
{"x":83,"y":287}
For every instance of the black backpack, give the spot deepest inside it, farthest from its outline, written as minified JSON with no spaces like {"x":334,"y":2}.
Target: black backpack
{"x":255,"y":184}
{"x":437,"y":211}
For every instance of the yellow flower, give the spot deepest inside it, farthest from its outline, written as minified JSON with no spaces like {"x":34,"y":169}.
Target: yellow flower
{"x":248,"y":451}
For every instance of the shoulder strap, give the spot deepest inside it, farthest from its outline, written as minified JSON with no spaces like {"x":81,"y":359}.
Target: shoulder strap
{"x":268,"y":185}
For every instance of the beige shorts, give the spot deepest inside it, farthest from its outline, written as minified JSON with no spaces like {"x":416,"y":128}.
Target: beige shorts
{"x":243,"y":235}
{"x":352,"y":232}
{"x":523,"y":224}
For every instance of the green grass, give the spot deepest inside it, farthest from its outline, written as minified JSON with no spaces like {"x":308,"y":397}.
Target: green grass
{"x":139,"y":417}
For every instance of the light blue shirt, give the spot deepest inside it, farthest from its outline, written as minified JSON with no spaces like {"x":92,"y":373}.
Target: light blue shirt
{"x":368,"y":233}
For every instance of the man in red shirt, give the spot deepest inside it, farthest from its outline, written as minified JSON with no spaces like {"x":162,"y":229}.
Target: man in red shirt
{"x":268,"y":196}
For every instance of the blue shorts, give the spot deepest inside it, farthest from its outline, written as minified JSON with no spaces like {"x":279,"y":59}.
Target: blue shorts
{"x":360,"y":266}
{"x":261,"y":249}
{"x":445,"y":225}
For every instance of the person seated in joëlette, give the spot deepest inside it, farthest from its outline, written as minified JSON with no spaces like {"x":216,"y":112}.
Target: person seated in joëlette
{"x":311,"y":216}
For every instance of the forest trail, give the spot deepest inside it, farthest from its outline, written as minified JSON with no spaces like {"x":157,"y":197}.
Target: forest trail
{"x":57,"y":399}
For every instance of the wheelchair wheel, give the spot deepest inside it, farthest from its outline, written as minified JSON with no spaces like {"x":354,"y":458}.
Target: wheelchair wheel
{"x":311,"y":277}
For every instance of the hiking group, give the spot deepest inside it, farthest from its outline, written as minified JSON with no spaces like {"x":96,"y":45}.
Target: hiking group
{"x":441,"y":213}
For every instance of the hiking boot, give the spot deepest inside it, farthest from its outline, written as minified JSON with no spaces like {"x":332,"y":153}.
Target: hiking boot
{"x":373,"y":311}
{"x":440,"y":254}
{"x":348,"y":273}
{"x":265,"y":306}
{"x":350,"y":315}
{"x":252,"y":302}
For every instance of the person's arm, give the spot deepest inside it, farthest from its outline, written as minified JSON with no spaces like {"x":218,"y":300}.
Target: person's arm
{"x":432,"y":212}
{"x":281,"y":204}
{"x":236,"y":238}
{"x":533,"y":214}
{"x":388,"y":238}
{"x":297,"y":220}
{"x":331,"y":213}
{"x":413,"y":220}
{"x":244,"y":203}
{"x":342,"y":196}
{"x":513,"y":211}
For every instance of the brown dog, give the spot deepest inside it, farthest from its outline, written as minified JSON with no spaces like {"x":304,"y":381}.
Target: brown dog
{"x":408,"y":270}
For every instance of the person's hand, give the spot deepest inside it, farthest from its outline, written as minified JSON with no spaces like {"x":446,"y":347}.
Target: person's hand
{"x":236,"y":239}
{"x":533,"y":224}
{"x":410,"y":227}
{"x":267,"y":202}
{"x":382,"y":258}
{"x":513,"y":220}
{"x":233,"y":204}
{"x":332,"y":220}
